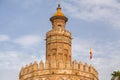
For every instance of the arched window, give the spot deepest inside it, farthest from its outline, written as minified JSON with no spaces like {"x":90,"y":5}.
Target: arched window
{"x":53,"y":55}
{"x":60,"y":56}
{"x":59,"y":26}
{"x":54,"y":50}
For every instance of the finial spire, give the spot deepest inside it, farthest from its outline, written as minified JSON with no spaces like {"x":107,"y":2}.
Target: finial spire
{"x":58,"y":4}
{"x":59,"y":12}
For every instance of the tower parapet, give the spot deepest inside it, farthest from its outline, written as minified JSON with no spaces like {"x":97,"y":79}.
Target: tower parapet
{"x":59,"y":68}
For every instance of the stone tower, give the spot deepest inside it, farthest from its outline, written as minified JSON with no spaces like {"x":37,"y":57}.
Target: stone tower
{"x":58,"y":64}
{"x":58,"y":40}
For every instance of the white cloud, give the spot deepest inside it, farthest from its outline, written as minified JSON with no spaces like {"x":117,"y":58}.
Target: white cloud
{"x":105,"y":55}
{"x":12,"y":61}
{"x":15,"y":59}
{"x":28,"y":40}
{"x":95,"y":10}
{"x":4,"y":37}
{"x":81,"y":45}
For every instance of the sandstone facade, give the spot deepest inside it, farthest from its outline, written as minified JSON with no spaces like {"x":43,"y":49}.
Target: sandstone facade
{"x":58,"y":64}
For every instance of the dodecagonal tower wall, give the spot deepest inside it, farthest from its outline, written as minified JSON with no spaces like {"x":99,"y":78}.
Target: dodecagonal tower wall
{"x":65,"y":71}
{"x":58,"y":64}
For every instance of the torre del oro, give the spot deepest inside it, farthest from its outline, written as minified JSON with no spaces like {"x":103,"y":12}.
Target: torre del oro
{"x":58,"y":64}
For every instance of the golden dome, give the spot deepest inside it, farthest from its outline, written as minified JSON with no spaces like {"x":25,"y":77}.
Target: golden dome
{"x":59,"y":12}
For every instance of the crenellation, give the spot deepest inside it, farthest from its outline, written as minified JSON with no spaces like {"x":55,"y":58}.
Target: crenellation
{"x":35,"y":66}
{"x":86,"y":67}
{"x":26,"y":69}
{"x":22,"y":71}
{"x":91,"y":69}
{"x":80,"y":66}
{"x":30,"y":67}
{"x":75,"y":64}
{"x":41,"y":65}
{"x":66,"y":68}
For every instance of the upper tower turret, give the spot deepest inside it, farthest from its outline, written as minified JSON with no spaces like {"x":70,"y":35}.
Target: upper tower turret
{"x":58,"y":40}
{"x":58,"y":19}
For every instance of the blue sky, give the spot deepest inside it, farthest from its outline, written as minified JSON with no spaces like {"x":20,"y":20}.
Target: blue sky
{"x":94,"y":24}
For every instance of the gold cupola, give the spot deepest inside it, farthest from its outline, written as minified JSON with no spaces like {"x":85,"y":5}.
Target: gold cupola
{"x":58,"y":15}
{"x":58,"y":19}
{"x":59,"y":12}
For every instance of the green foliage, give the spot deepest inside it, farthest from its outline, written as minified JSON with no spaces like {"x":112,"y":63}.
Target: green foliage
{"x":116,"y":75}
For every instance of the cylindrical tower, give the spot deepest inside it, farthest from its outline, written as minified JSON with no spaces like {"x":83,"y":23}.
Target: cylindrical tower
{"x":58,"y":40}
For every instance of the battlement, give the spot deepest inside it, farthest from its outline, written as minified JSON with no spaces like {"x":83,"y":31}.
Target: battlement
{"x":54,"y":67}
